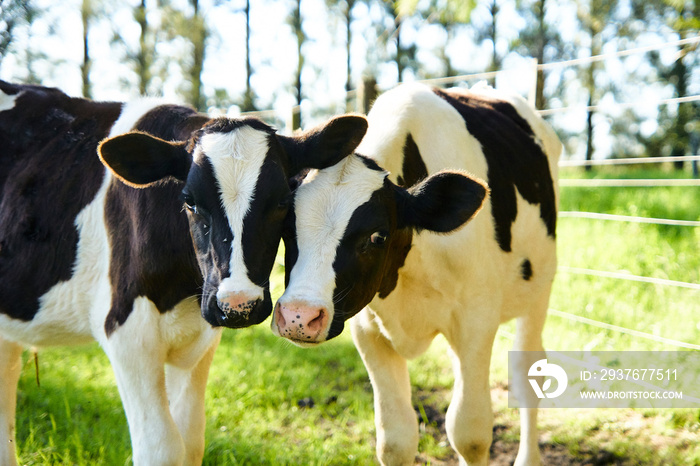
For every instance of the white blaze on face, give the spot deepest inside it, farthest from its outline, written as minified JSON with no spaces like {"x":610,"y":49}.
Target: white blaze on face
{"x":324,"y":205}
{"x":237,"y":158}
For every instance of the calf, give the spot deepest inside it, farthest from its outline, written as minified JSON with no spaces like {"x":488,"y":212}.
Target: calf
{"x":364,"y":237}
{"x":86,"y":255}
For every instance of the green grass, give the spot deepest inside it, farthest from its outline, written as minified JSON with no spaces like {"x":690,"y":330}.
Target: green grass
{"x":257,"y":381}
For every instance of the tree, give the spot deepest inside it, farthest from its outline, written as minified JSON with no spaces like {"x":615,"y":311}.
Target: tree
{"x":248,"y":96}
{"x":683,"y":19}
{"x":295,"y":22}
{"x":89,"y":11}
{"x":198,"y":37}
{"x":193,"y":30}
{"x":447,"y":13}
{"x":143,"y":58}
{"x":13,"y":13}
{"x":538,"y":40}
{"x":593,"y":16}
{"x":405,"y":57}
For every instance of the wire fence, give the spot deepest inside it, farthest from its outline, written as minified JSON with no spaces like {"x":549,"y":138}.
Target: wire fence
{"x":629,"y":161}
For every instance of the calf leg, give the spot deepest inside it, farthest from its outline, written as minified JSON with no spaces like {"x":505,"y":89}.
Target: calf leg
{"x":528,"y":338}
{"x":10,"y":368}
{"x":469,"y":420}
{"x":138,"y":357}
{"x":186,"y":390}
{"x":394,"y":418}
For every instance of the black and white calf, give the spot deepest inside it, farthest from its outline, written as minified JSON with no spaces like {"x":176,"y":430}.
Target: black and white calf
{"x":86,"y":256}
{"x":366,"y":237}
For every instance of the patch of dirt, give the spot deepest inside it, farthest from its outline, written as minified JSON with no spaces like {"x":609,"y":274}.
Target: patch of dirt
{"x":432,"y":406}
{"x":503,"y":453}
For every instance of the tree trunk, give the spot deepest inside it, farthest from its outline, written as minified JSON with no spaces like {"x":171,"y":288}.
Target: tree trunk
{"x":297,"y":26}
{"x":495,"y":60}
{"x":248,"y":100}
{"x":143,"y":64}
{"x":589,"y":133}
{"x":86,"y":14}
{"x":540,"y":102}
{"x":348,"y":44}
{"x":399,"y":51}
{"x":199,"y":39}
{"x":596,"y":47}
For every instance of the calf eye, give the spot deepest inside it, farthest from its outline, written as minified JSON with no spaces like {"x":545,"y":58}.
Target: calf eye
{"x":188,"y":200}
{"x":200,"y":214}
{"x":378,"y":238}
{"x":191,"y":207}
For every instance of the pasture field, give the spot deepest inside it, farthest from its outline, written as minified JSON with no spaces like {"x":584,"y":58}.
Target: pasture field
{"x":269,"y":402}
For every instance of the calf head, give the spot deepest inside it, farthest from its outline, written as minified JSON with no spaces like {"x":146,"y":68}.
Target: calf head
{"x":349,"y":233}
{"x":235,"y":176}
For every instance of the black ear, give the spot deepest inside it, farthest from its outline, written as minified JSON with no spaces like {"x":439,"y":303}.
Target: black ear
{"x":442,"y":202}
{"x":139,"y":159}
{"x":325,"y":145}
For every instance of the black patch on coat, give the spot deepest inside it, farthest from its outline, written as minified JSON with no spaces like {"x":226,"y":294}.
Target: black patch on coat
{"x":267,"y":212}
{"x":513,"y":157}
{"x":363,"y":269}
{"x":413,"y":169}
{"x":526,"y":270}
{"x":289,"y":238}
{"x":49,"y":172}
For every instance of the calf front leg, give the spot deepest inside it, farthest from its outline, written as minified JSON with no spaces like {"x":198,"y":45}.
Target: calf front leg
{"x":186,"y":392}
{"x":528,"y":338}
{"x":469,"y":420}
{"x":394,"y":418}
{"x":138,"y":358}
{"x":10,"y":368}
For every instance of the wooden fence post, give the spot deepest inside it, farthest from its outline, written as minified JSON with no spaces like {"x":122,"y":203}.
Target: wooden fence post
{"x":366,"y":94}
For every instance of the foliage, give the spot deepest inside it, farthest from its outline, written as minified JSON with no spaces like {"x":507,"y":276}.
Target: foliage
{"x":13,"y":14}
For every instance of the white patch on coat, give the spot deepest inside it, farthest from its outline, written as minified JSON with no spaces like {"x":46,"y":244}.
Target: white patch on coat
{"x":237,"y":158}
{"x":324,"y":205}
{"x":7,"y":101}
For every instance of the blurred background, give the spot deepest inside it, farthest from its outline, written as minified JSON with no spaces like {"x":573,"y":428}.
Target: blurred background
{"x":618,"y":79}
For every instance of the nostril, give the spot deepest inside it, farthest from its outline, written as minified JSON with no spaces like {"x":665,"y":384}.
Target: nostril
{"x":317,"y":323}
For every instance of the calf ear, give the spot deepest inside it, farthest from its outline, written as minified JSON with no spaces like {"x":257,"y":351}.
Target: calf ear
{"x":324,"y":145}
{"x":442,"y":202}
{"x":139,"y":159}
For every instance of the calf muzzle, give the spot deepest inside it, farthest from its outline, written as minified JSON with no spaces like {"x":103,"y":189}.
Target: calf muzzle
{"x":301,"y":322}
{"x":237,"y":310}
